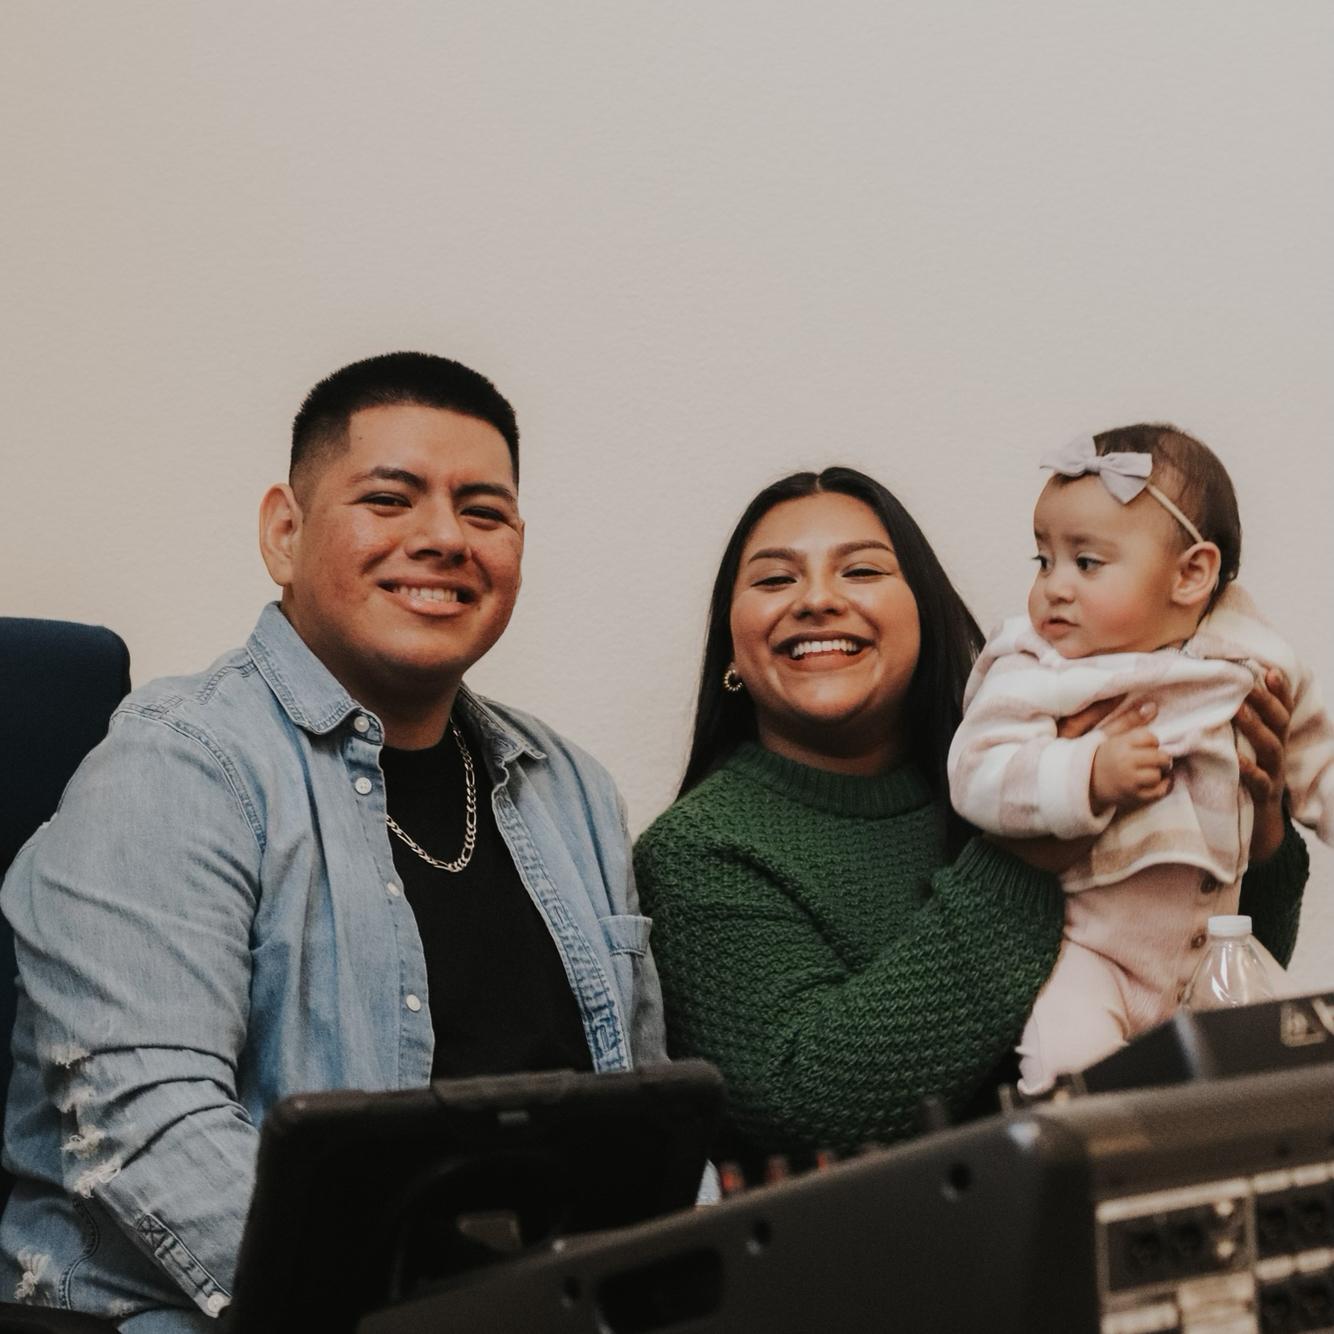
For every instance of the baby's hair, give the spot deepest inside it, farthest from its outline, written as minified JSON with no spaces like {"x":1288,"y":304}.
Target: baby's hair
{"x":1191,"y":474}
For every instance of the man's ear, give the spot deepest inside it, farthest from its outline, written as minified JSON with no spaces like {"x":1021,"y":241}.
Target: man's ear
{"x":279,"y":532}
{"x":1197,"y":575}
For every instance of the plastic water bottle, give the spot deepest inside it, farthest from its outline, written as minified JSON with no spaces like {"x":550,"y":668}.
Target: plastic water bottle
{"x":1235,"y":970}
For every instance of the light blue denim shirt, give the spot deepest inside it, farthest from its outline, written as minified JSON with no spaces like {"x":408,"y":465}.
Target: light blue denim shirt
{"x":211,"y":921}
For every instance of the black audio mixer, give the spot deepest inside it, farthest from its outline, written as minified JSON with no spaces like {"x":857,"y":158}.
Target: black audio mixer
{"x":1200,"y":1202}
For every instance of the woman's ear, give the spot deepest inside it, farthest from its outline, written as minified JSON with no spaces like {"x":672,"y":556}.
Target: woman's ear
{"x":279,"y":532}
{"x":1196,"y":575}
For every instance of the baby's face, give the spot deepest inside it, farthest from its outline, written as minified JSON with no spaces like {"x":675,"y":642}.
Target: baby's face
{"x":1105,"y":571}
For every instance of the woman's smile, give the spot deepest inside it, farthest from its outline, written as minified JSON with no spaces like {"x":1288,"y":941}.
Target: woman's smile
{"x":823,"y":652}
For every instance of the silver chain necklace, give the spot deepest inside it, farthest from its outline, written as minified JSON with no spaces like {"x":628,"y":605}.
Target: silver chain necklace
{"x":470,"y":820}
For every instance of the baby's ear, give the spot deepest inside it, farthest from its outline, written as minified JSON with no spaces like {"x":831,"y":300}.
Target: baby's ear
{"x":1197,"y":575}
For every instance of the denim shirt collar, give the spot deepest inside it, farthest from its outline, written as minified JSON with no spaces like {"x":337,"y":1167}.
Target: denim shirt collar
{"x":315,"y":701}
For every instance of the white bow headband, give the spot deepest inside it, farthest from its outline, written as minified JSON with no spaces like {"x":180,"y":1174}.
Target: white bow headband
{"x":1124,"y":475}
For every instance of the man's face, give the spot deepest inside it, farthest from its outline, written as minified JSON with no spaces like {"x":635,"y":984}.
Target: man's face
{"x":400,"y":560}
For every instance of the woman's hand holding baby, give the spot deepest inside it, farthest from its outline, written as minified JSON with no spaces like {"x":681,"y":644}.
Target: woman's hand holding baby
{"x":1129,"y":770}
{"x":1263,"y":720}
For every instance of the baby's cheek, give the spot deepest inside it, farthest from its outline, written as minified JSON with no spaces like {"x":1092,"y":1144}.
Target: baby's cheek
{"x":1121,"y":612}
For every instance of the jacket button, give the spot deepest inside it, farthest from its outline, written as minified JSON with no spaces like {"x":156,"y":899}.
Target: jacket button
{"x":361,"y":723}
{"x":363,"y":785}
{"x":412,"y":1002}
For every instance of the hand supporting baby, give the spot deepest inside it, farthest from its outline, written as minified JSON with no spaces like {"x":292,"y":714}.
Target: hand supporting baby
{"x":1263,"y":720}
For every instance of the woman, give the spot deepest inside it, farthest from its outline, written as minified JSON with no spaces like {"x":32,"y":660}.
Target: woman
{"x":828,"y":932}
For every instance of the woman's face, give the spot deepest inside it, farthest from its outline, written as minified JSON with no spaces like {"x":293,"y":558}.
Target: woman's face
{"x":825,"y":633}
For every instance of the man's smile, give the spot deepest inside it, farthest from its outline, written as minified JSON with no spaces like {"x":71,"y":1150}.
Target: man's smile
{"x":431,"y":599}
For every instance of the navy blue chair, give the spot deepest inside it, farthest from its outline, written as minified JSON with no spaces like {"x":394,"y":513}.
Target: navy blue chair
{"x":59,"y":684}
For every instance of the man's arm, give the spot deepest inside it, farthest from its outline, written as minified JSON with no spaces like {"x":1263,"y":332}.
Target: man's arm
{"x":647,"y":1030}
{"x":132,"y":917}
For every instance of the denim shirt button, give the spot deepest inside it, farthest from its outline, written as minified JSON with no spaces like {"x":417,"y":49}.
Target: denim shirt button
{"x":361,"y":723}
{"x":392,"y":890}
{"x":412,"y":1002}
{"x":215,"y":1303}
{"x":363,"y":785}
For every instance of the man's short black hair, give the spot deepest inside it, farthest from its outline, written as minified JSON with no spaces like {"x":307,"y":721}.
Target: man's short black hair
{"x":395,"y":378}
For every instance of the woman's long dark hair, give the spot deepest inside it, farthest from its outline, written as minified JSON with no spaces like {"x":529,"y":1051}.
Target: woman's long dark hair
{"x":951,"y":639}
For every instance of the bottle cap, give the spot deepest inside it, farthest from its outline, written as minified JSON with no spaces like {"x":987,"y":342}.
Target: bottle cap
{"x":1239,"y":925}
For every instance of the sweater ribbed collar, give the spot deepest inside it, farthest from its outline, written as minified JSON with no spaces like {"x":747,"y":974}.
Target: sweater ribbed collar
{"x":894,"y":793}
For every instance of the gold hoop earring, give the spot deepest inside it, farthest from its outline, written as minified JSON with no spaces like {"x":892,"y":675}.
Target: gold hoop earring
{"x":731,"y":681}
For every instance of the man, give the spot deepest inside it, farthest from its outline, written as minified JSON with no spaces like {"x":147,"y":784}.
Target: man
{"x":322,"y":863}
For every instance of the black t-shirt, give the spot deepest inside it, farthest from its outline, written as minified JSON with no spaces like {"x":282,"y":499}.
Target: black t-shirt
{"x":500,"y":1000}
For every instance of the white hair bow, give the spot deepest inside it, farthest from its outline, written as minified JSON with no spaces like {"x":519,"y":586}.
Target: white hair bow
{"x":1124,"y":475}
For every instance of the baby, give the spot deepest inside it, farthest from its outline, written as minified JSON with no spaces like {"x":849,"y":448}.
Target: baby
{"x":1138,"y":542}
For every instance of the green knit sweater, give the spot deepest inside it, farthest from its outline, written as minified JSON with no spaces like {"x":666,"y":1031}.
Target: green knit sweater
{"x":814,"y":946}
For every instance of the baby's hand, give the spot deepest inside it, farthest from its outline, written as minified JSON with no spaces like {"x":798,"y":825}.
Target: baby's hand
{"x":1129,"y":770}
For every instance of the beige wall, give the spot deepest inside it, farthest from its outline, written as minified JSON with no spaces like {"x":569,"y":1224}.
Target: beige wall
{"x":699,"y":244}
